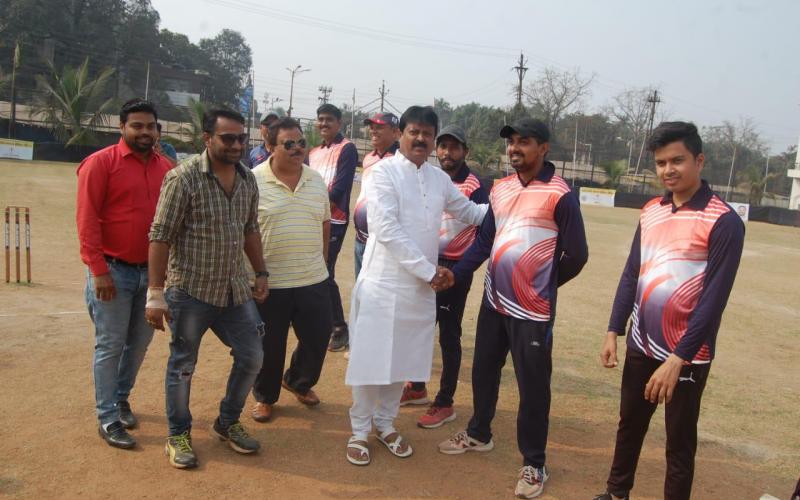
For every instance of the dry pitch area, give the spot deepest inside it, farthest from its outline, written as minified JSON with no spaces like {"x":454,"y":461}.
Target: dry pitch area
{"x":49,"y":447}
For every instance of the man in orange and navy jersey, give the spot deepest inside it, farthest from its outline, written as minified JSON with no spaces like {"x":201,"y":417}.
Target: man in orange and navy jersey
{"x":335,"y":160}
{"x":674,"y":288}
{"x":383,"y":132}
{"x":534,"y":239}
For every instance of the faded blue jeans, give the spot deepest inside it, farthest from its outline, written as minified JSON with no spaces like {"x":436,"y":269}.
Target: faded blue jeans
{"x":238,"y":327}
{"x":121,"y":337}
{"x":358,"y":254}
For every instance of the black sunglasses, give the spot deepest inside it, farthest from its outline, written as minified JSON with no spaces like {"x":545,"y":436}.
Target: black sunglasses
{"x":229,"y":139}
{"x":289,"y":144}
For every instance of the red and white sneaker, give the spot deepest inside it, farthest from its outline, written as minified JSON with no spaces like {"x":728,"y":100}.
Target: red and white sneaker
{"x":462,"y":443}
{"x":412,"y":397}
{"x":436,"y":416}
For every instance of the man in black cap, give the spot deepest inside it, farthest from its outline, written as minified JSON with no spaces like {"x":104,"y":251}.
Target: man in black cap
{"x":534,"y":238}
{"x":454,"y":239}
{"x":384,"y":133}
{"x":260,"y":153}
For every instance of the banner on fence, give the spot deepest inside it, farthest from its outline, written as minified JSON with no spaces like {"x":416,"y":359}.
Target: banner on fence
{"x":18,"y":150}
{"x":743,"y":209}
{"x":596,"y":196}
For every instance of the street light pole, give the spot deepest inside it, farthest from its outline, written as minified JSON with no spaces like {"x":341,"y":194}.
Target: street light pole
{"x":291,"y":86}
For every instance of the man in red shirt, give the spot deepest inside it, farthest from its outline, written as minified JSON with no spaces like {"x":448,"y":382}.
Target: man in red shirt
{"x":118,"y":189}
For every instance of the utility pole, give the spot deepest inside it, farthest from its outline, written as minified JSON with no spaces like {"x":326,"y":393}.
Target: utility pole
{"x":326,"y":91}
{"x":147,"y":81}
{"x":291,"y":85}
{"x":653,"y":100}
{"x":383,"y":93}
{"x":575,"y":151}
{"x":730,"y":175}
{"x":12,"y":124}
{"x":521,"y":69}
{"x":353,"y":117}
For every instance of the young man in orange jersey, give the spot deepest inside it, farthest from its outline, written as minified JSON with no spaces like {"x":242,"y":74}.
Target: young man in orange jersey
{"x":674,"y":288}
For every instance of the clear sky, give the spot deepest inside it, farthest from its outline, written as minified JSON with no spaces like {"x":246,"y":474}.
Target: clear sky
{"x":712,"y":60}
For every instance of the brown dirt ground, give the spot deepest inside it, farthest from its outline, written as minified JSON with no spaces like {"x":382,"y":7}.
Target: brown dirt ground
{"x":50,"y":448}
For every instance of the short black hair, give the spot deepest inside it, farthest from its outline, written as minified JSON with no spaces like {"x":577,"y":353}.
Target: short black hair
{"x":158,"y":126}
{"x":285,"y":123}
{"x":136,"y":105}
{"x":210,"y":118}
{"x":424,"y":115}
{"x":330,"y":109}
{"x":669,"y":132}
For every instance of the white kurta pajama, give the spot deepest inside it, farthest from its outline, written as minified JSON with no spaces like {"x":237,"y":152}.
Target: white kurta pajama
{"x":392,"y":307}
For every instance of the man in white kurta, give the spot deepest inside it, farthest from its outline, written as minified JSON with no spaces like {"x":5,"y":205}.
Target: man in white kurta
{"x":393,"y":304}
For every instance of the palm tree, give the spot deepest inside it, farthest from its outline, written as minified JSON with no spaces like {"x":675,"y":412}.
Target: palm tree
{"x":194,"y":128}
{"x":70,"y":103}
{"x":614,"y":170}
{"x":755,"y":182}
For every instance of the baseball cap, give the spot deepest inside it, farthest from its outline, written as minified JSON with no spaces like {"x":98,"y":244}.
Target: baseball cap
{"x":383,"y":119}
{"x":455,"y":132}
{"x":527,"y":127}
{"x":267,"y":115}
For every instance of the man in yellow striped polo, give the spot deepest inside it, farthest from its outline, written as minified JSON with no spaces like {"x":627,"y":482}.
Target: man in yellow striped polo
{"x":294,"y":219}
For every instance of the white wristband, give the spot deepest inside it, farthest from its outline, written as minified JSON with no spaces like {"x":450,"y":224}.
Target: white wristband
{"x":155,"y":299}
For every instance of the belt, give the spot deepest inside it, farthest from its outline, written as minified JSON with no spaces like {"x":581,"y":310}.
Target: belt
{"x":115,"y":260}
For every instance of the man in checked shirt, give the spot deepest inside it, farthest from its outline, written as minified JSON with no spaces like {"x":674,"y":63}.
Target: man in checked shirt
{"x":206,"y":216}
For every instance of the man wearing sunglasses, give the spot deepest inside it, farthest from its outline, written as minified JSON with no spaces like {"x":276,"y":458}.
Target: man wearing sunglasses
{"x":206,"y":218}
{"x":335,"y":159}
{"x":294,"y":217}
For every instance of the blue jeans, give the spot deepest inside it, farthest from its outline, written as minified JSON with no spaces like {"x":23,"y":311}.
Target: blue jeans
{"x":238,"y":327}
{"x":358,"y":253}
{"x":121,"y":337}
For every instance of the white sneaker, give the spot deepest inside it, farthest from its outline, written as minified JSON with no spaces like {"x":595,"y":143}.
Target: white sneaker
{"x":531,"y":481}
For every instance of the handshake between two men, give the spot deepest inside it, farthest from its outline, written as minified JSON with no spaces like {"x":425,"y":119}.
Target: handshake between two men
{"x":443,"y":279}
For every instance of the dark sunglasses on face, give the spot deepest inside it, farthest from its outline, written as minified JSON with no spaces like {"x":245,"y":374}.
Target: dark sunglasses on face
{"x":229,"y":139}
{"x":289,"y":144}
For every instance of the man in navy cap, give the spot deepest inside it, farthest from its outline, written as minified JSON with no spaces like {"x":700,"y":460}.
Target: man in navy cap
{"x":534,"y":239}
{"x":260,"y":153}
{"x":384,"y":133}
{"x":454,"y":239}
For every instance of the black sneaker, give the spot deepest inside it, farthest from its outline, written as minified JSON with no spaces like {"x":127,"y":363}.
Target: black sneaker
{"x":180,"y":453}
{"x":340,"y":340}
{"x":126,"y":416}
{"x":236,"y":436}
{"x":116,"y":435}
{"x":608,"y":496}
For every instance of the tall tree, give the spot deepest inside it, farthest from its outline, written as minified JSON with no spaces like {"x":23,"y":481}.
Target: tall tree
{"x":231,"y":59}
{"x":556,"y":92}
{"x":72,"y":104}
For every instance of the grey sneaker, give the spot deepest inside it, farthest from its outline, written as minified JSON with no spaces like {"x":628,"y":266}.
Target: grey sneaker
{"x":340,"y":340}
{"x":236,"y":436}
{"x":180,"y":453}
{"x":609,"y":496}
{"x":531,"y":481}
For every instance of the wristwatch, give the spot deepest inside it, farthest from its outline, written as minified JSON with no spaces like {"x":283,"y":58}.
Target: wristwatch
{"x":262,"y":274}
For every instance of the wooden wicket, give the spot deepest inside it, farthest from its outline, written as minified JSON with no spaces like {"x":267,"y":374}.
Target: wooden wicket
{"x":18,"y":242}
